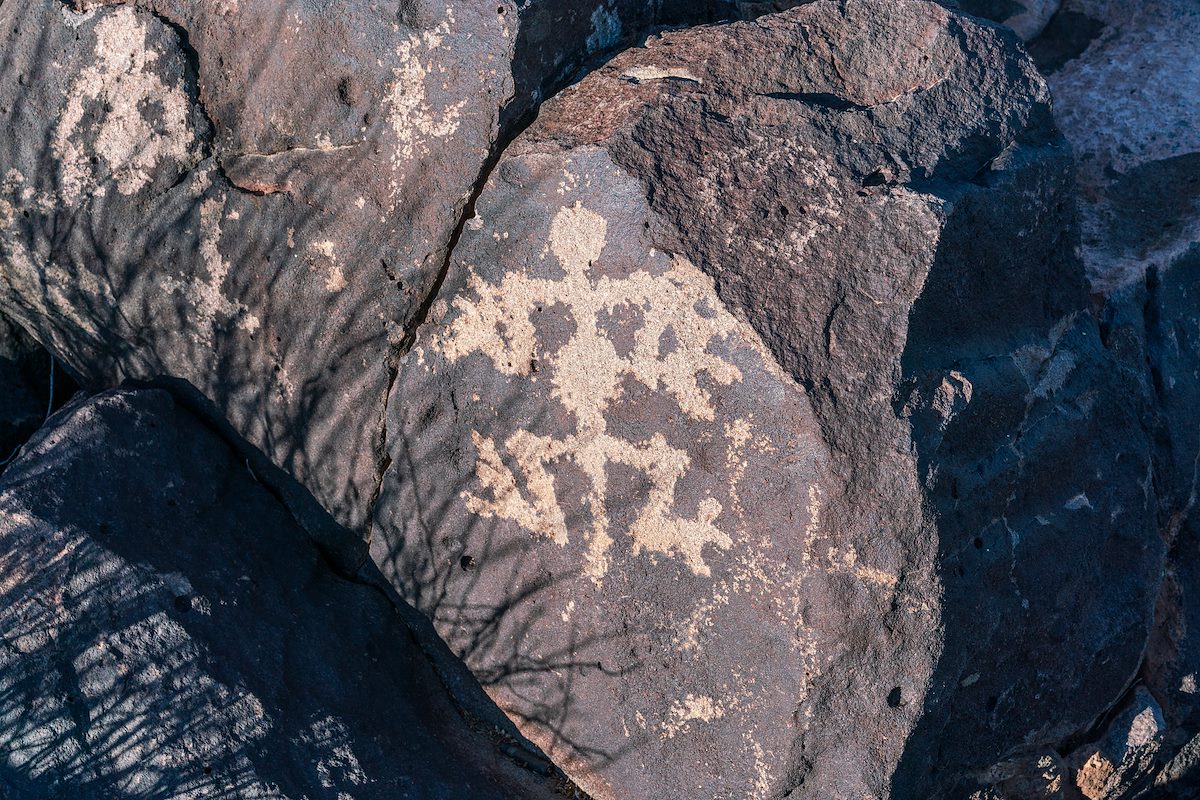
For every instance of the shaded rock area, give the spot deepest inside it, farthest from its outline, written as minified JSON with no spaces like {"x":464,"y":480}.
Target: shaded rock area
{"x":255,"y":203}
{"x":258,"y":198}
{"x":167,"y":631}
{"x":801,"y":406}
{"x":1126,"y":81}
{"x":723,"y":576}
{"x":1028,"y":18}
{"x":24,"y":388}
{"x":32,"y":385}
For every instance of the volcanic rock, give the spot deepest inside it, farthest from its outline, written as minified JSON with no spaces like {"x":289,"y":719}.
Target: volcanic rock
{"x":1126,"y":82}
{"x":24,"y":388}
{"x":167,"y":631}
{"x":257,"y":198}
{"x":1123,"y":761}
{"x":761,"y":434}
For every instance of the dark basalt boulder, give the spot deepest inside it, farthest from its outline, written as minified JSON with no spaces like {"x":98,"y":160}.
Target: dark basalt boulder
{"x":24,"y":388}
{"x":252,"y":196}
{"x":1027,"y":17}
{"x":761,"y":435}
{"x":755,"y":437}
{"x":257,"y":197}
{"x":167,"y":631}
{"x":1126,"y":82}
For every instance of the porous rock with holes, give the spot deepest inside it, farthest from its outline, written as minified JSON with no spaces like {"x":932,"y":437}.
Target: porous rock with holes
{"x":1126,"y":82}
{"x":761,"y":435}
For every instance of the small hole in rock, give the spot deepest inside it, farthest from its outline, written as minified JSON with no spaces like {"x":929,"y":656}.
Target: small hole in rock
{"x":978,"y":543}
{"x":894,"y":698}
{"x":467,"y":563}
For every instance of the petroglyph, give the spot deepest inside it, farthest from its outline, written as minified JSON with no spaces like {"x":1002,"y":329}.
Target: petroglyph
{"x":691,"y":708}
{"x":207,"y":296}
{"x":414,"y":118}
{"x":124,"y":84}
{"x":586,"y":373}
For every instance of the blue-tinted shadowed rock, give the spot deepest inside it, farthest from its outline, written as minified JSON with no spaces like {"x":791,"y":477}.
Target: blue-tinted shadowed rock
{"x":167,"y":631}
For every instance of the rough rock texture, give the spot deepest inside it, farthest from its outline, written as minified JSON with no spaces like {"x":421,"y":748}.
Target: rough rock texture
{"x":556,"y":38}
{"x":761,"y":441}
{"x":1027,"y":17}
{"x":255,"y":199}
{"x":1037,"y":775}
{"x":1126,"y":82}
{"x":1122,"y":762}
{"x":258,"y":198}
{"x":167,"y":631}
{"x":24,"y":388}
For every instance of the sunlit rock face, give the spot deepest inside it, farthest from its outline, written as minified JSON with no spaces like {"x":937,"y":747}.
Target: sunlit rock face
{"x":167,"y":630}
{"x":252,"y":196}
{"x":257,"y":197}
{"x":725,"y":457}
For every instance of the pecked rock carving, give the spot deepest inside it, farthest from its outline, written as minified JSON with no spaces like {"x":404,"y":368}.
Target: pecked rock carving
{"x":756,"y":423}
{"x":194,"y":189}
{"x":715,"y":408}
{"x":678,"y":321}
{"x":616,"y":429}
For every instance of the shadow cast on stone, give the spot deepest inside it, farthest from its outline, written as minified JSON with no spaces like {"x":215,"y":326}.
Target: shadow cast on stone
{"x":463,"y":573}
{"x":1043,"y":487}
{"x":170,"y":633}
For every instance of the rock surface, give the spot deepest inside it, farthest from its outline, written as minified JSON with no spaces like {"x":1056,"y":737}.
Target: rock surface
{"x":725,"y":463}
{"x":167,"y":631}
{"x":24,"y":388}
{"x":258,"y":199}
{"x":1123,"y":762}
{"x":254,"y":202}
{"x":1126,"y":82}
{"x":1027,"y":17}
{"x":756,"y":438}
